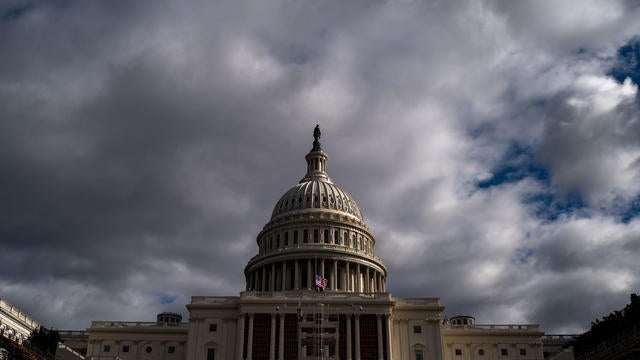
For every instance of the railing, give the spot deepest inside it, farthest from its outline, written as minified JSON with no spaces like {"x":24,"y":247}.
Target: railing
{"x":558,"y":338}
{"x":419,"y":301}
{"x":214,"y":299}
{"x":307,"y":246}
{"x":72,"y":333}
{"x":531,"y":327}
{"x":129,"y":324}
{"x":354,"y":296}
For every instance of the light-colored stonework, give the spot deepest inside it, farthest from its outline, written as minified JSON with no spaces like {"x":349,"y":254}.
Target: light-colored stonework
{"x":316,"y":228}
{"x":14,"y":324}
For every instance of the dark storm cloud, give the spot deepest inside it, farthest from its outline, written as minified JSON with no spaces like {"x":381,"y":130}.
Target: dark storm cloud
{"x":144,"y":144}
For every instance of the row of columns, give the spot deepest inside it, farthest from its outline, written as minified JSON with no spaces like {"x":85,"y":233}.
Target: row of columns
{"x":343,"y":276}
{"x":283,"y":239}
{"x":272,"y":341}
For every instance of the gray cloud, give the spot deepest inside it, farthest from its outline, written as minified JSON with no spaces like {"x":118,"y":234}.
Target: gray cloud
{"x":143,"y":145}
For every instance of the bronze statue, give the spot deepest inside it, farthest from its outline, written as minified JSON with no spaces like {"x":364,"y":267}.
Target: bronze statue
{"x":316,"y":136}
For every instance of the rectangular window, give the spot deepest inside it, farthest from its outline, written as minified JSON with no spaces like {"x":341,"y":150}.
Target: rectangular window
{"x":458,"y":352}
{"x":305,"y":237}
{"x":106,"y":348}
{"x":417,"y":329}
{"x":171,"y":349}
{"x":419,"y":355}
{"x":295,"y":237}
{"x":316,"y":236}
{"x":213,"y":327}
{"x":523,"y":352}
{"x":504,"y":352}
{"x":286,"y":238}
{"x":211,"y":354}
{"x":125,"y":348}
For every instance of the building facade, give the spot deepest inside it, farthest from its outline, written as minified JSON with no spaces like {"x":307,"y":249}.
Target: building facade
{"x":314,"y":290}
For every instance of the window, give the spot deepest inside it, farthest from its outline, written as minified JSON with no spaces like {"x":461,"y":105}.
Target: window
{"x":278,"y":241}
{"x":523,"y":352}
{"x":171,"y":349}
{"x":305,"y":237}
{"x":125,"y":348}
{"x":106,"y":348}
{"x":295,"y":237}
{"x":336,"y":237}
{"x":213,"y":327}
{"x":504,"y":352}
{"x":211,"y":354}
{"x":458,"y":352}
{"x":417,"y":329}
{"x":326,"y":237}
{"x":481,"y":352}
{"x":148,"y":349}
{"x":419,"y":355}
{"x":286,"y":238}
{"x":316,"y":236}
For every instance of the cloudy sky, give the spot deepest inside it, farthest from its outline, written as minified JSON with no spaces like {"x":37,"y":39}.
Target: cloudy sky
{"x":493,"y":147}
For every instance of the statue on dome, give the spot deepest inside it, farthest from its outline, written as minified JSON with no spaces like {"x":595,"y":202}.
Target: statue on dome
{"x":316,"y":136}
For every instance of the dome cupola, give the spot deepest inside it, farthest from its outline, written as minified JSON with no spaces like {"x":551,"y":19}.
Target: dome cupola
{"x":316,"y":191}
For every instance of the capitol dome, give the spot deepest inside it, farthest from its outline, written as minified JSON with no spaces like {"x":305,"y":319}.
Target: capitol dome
{"x":316,"y":194}
{"x":316,"y":229}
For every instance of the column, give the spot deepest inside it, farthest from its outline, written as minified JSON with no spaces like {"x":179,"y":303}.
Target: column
{"x":296,"y":282}
{"x":250,"y":339}
{"x":367,"y":280}
{"x":254,"y":280}
{"x":334,"y":286}
{"x":348,"y":277}
{"x":263,"y":286}
{"x":281,"y":345}
{"x":284,"y":276}
{"x":309,"y":275}
{"x":240,"y":336}
{"x":388,"y":339}
{"x":358,"y":280}
{"x":272,"y":341}
{"x":380,"y":338}
{"x":348,"y":336}
{"x":322,"y":267}
{"x":272,"y":286}
{"x":357,"y":336}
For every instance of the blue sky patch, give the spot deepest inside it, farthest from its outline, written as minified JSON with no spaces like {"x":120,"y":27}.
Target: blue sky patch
{"x":627,"y":62}
{"x":167,"y":299}
{"x":516,"y":165}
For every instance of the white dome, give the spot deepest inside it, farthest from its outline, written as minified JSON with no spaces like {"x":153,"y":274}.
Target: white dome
{"x":317,"y":194}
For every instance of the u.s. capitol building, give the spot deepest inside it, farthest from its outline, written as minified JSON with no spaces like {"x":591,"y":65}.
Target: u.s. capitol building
{"x":316,"y":237}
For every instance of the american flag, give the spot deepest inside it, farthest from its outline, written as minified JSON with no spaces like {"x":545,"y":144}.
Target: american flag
{"x":321,"y":281}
